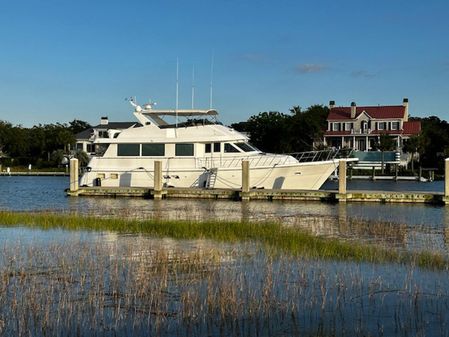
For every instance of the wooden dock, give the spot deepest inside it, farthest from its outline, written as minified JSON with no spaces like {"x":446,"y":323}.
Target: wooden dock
{"x":245,"y":193}
{"x":35,"y":173}
{"x":263,"y":194}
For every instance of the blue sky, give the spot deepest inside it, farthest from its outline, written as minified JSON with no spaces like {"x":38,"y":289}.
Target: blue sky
{"x":61,"y":60}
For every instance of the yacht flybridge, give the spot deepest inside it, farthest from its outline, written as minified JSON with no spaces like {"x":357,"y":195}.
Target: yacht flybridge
{"x":196,"y":152}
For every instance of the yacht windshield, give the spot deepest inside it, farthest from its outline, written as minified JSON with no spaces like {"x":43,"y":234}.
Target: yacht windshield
{"x":245,"y":147}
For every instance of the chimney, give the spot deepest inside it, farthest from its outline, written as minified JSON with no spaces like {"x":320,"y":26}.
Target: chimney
{"x":353,"y":110}
{"x":331,"y":104}
{"x":104,"y":121}
{"x":405,"y":105}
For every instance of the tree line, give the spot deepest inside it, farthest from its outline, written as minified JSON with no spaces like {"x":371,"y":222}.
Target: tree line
{"x":297,"y":130}
{"x":279,"y":132}
{"x":272,"y":131}
{"x":41,"y":145}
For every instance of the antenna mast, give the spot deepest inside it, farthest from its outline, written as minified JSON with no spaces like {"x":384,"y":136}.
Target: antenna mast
{"x":211,"y":78}
{"x":193,"y":86}
{"x":177,"y":92}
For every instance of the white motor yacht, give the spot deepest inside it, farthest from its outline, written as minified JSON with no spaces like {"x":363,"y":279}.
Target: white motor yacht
{"x":197,"y":153}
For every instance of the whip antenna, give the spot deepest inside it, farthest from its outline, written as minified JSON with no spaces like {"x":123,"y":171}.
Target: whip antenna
{"x":211,"y":79}
{"x":193,"y":86}
{"x":177,"y":92}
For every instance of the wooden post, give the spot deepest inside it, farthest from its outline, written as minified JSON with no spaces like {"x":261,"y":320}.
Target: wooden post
{"x":373,"y":174}
{"x":74,"y":184}
{"x":396,"y":172}
{"x":342,"y":177}
{"x":157,"y":179}
{"x":446,"y":181}
{"x":245,"y":180}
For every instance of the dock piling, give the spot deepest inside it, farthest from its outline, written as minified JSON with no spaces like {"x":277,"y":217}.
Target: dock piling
{"x":446,"y":181}
{"x":245,"y":180}
{"x":74,"y":178}
{"x":342,"y":180}
{"x":157,"y":179}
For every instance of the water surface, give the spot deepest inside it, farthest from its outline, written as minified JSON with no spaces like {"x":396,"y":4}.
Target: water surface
{"x":411,"y":226}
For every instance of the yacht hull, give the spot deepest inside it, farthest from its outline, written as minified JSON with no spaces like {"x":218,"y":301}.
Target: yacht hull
{"x":139,"y":173}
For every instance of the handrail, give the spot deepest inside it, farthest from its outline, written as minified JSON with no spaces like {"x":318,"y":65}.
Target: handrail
{"x":267,"y":159}
{"x":255,"y":159}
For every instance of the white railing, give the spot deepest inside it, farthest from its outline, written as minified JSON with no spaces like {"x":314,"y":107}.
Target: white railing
{"x":269,"y":160}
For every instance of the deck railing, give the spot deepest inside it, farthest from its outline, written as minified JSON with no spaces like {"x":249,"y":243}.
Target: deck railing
{"x":267,"y":159}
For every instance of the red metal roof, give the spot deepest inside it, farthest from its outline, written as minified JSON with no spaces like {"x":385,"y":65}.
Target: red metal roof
{"x":412,"y":128}
{"x":377,"y":112}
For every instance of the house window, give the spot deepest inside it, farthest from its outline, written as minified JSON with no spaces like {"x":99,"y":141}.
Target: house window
{"x":90,"y":148}
{"x":381,"y":125}
{"x":184,"y":150}
{"x":349,"y":126}
{"x":153,"y":150}
{"x":394,"y":125}
{"x":128,"y":150}
{"x":335,"y":126}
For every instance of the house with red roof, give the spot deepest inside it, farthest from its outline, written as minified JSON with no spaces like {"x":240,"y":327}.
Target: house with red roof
{"x":359,"y":127}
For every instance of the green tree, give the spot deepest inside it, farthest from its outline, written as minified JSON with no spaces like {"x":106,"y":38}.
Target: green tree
{"x":414,"y":145}
{"x":267,"y":131}
{"x":305,"y":127}
{"x":82,"y":157}
{"x":435,"y":133}
{"x":77,"y":126}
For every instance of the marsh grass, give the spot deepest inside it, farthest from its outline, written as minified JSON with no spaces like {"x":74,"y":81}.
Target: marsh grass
{"x":272,"y":234}
{"x":134,"y":286}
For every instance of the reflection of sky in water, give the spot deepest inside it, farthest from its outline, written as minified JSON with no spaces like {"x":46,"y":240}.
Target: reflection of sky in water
{"x":425,"y":224}
{"x":361,"y":298}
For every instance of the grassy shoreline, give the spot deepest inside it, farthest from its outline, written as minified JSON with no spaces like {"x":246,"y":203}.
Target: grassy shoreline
{"x":273,"y":234}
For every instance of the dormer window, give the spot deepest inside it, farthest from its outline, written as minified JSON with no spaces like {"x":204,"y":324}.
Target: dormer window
{"x":364,"y":125}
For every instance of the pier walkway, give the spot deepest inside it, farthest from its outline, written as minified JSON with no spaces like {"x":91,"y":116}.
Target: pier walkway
{"x":264,"y":194}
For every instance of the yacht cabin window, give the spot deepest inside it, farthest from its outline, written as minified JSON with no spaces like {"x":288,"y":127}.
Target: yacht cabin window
{"x":100,"y":149}
{"x":183,"y":150}
{"x":127,"y":150}
{"x":208,"y":147}
{"x":153,"y":150}
{"x":228,"y":147}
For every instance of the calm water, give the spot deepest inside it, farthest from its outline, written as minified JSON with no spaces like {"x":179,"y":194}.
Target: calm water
{"x":109,"y":284}
{"x":412,"y":226}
